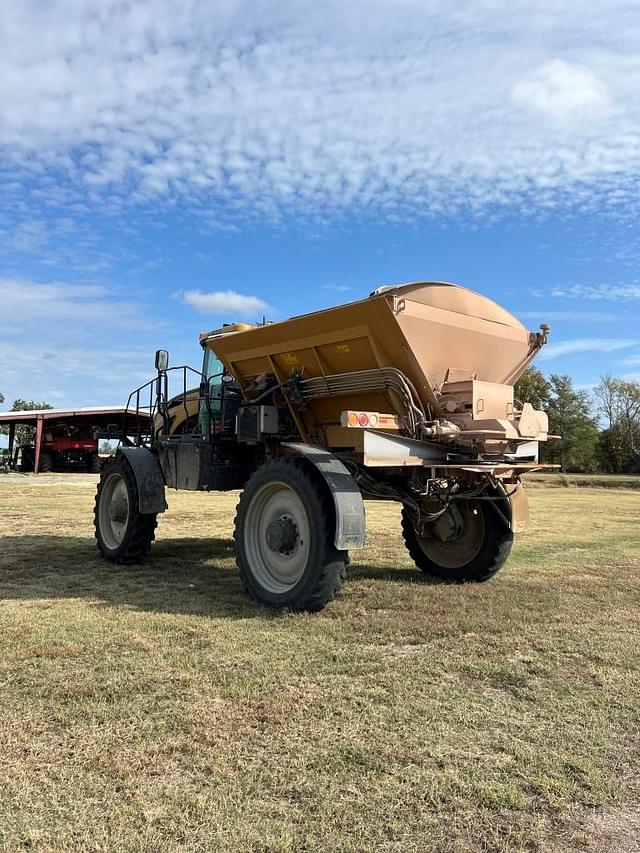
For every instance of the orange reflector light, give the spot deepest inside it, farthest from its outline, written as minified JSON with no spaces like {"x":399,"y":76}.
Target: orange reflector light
{"x":375,"y":420}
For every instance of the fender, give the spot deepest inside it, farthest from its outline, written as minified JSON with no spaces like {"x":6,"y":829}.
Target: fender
{"x":351,"y":523}
{"x":149,"y":480}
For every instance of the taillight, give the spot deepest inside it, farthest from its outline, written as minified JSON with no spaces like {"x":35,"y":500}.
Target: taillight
{"x":375,"y":420}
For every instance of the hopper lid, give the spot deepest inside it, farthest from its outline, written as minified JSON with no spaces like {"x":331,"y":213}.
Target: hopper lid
{"x":451,"y":297}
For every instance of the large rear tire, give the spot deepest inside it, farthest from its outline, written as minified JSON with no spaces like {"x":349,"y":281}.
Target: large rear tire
{"x":94,"y":463}
{"x":470,"y":543}
{"x":284,"y":531}
{"x":46,"y":462}
{"x":123,"y":533}
{"x":26,"y":459}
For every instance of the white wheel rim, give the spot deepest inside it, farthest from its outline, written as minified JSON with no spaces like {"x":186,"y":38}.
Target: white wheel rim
{"x":114,"y":510}
{"x":276,"y":571}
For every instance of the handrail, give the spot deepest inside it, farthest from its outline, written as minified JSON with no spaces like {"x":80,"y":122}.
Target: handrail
{"x":157,"y":389}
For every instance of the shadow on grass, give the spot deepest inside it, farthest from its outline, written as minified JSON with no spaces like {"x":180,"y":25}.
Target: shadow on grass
{"x":367,"y":571}
{"x":181,"y":575}
{"x":186,"y":575}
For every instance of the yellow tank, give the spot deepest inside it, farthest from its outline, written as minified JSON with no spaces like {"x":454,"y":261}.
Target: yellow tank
{"x":439,"y":357}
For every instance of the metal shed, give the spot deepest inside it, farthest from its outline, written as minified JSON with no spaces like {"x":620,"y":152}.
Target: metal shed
{"x":102,"y":421}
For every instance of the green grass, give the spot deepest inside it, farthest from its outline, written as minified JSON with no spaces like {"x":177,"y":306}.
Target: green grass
{"x":598,"y":481}
{"x":156,"y":708}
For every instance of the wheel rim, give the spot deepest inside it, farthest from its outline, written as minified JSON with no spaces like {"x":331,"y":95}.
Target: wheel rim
{"x":114,"y":510}
{"x":276,"y":537}
{"x":455,"y":551}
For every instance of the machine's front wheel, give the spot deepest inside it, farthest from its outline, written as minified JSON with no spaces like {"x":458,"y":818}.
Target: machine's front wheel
{"x":123,"y":533}
{"x":284,"y":538}
{"x":469,"y":542}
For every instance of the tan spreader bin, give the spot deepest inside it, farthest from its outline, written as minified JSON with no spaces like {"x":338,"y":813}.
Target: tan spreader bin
{"x":437,"y":359}
{"x":404,"y":396}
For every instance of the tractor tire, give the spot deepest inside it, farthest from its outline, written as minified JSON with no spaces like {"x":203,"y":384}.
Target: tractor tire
{"x":46,"y":463}
{"x":26,"y":460}
{"x":94,"y":463}
{"x":123,"y":533}
{"x":477,"y":550}
{"x":284,"y":531}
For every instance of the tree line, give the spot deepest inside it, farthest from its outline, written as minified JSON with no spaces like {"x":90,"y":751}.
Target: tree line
{"x":599,"y":431}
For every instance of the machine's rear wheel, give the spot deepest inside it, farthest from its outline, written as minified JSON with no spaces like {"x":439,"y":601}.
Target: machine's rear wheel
{"x":469,"y":542}
{"x":94,"y":463}
{"x":46,"y":462}
{"x":284,"y":538}
{"x":123,"y":533}
{"x":26,"y":459}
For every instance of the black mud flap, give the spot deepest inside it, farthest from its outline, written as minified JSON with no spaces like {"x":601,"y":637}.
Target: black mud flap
{"x":351,"y":523}
{"x":146,"y":469}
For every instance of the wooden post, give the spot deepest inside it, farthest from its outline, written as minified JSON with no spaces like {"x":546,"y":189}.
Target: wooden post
{"x":36,"y":461}
{"x":12,"y":439}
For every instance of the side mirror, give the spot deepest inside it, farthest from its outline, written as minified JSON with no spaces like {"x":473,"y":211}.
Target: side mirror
{"x":162,"y":359}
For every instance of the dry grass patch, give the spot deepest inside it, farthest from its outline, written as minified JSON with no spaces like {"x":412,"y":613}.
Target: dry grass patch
{"x":156,"y":708}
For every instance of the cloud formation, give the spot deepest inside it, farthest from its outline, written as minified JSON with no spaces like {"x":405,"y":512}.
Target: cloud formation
{"x":256,"y":110}
{"x":596,"y":292}
{"x":563,"y":92}
{"x":81,"y":344}
{"x":584,"y":345}
{"x":225,"y":303}
{"x":43,"y":307}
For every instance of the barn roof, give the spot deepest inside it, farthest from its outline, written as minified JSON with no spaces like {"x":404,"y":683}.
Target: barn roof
{"x":96,"y":415}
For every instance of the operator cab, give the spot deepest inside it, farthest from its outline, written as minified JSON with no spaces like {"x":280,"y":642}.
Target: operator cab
{"x":220,"y":401}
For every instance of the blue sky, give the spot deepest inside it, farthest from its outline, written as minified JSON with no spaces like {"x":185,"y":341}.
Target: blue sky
{"x":168,"y":167}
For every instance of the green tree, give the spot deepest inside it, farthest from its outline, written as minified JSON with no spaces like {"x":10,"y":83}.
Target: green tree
{"x":570,"y":417}
{"x":533,"y":387}
{"x":612,"y":454}
{"x":1,"y":397}
{"x":619,"y":403}
{"x":24,"y":434}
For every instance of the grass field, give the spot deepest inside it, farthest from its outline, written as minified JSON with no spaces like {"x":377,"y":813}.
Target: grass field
{"x":155,"y":708}
{"x":604,"y":481}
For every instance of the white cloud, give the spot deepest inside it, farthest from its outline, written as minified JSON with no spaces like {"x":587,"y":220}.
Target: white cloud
{"x":584,"y":345}
{"x":79,"y":307}
{"x":225,"y":302}
{"x":79,"y":344}
{"x":563,"y":92}
{"x":595,"y":292}
{"x":257,"y":110}
{"x":630,"y":361}
{"x":569,"y":316}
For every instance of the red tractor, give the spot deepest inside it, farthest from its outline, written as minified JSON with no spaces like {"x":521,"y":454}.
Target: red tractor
{"x":64,"y":445}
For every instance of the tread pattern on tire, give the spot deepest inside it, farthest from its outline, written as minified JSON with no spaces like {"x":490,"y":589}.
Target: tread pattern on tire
{"x":46,"y":462}
{"x":94,"y":464}
{"x":334,"y":565}
{"x":142,"y":528}
{"x":498,"y":544}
